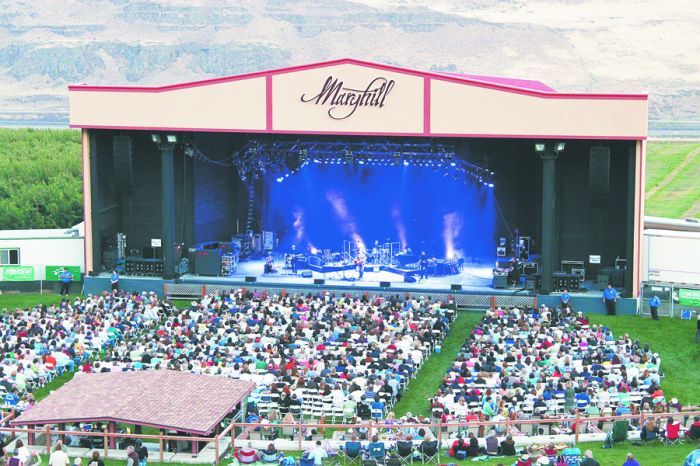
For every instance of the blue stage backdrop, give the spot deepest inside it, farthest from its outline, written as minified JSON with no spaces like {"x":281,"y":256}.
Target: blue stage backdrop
{"x":321,"y":205}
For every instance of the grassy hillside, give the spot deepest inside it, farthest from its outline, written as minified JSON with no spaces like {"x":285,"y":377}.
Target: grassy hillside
{"x":673,"y":169}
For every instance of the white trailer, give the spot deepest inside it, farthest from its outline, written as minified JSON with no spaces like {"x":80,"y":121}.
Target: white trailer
{"x":671,"y":251}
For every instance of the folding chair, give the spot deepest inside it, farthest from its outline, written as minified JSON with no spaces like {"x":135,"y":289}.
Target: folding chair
{"x":353,"y":453}
{"x":430,"y":453}
{"x":404,"y":451}
{"x":618,"y":433}
{"x":377,"y":451}
{"x":672,"y":436}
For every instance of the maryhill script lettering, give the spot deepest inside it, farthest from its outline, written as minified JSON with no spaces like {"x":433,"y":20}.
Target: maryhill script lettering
{"x":344,"y":101}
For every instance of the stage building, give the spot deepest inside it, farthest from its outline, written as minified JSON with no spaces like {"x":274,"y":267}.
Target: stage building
{"x":409,"y":173}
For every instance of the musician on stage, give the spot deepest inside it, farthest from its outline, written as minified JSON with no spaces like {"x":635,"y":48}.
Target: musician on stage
{"x":360,"y":262}
{"x":423,"y":265}
{"x":293,"y":259}
{"x":375,"y":252}
{"x":269,"y":263}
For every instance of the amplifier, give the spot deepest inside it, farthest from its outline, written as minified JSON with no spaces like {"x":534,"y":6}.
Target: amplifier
{"x":531,"y":268}
{"x":144,"y":267}
{"x":207,"y":262}
{"x":500,"y":280}
{"x":566,"y":281}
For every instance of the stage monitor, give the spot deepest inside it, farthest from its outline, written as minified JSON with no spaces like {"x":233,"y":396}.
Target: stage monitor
{"x":454,"y":287}
{"x":319,"y":281}
{"x":250,"y":279}
{"x":384,"y":284}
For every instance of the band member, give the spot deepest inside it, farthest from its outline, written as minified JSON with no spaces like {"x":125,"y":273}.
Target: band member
{"x":269,"y":264}
{"x":293,"y":259}
{"x":375,"y":252}
{"x":360,"y":262}
{"x":423,"y":265}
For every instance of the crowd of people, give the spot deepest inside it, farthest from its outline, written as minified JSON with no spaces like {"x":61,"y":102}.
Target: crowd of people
{"x":296,"y":348}
{"x":547,"y":361}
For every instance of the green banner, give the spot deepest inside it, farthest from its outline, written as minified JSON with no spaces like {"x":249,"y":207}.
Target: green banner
{"x":53,"y":272}
{"x":17,"y":273}
{"x":688,"y":297}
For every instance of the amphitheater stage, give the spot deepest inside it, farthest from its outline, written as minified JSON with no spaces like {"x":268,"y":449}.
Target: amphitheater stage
{"x":473,"y":297}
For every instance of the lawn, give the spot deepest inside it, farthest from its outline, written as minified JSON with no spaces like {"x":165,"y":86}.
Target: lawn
{"x":669,"y":194}
{"x":12,"y":301}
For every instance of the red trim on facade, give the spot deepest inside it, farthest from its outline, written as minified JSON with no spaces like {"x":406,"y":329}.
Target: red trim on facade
{"x":426,"y":105}
{"x":342,"y":61}
{"x":268,"y":102}
{"x":360,"y":133}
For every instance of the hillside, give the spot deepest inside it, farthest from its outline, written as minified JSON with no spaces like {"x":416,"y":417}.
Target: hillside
{"x":577,"y":45}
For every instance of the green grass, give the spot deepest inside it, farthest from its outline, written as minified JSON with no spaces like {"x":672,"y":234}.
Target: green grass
{"x":428,"y":380}
{"x":12,"y":301}
{"x":674,"y":340}
{"x":679,"y":196}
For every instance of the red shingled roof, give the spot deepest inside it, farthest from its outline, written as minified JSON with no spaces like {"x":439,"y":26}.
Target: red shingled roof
{"x":160,"y":398}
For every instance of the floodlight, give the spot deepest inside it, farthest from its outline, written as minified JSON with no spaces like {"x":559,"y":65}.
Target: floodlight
{"x":155,"y":138}
{"x":559,"y":146}
{"x":171,"y":138}
{"x":539,"y":147}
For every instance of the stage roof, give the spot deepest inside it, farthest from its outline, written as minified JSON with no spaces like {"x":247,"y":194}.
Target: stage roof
{"x":349,"y":96}
{"x":165,"y":399}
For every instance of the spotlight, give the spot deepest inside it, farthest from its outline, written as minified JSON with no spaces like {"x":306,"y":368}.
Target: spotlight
{"x":490,"y":185}
{"x":171,"y":138}
{"x":361,"y":162}
{"x":280,"y":179}
{"x":452,"y":164}
{"x":405,"y":163}
{"x":155,"y":138}
{"x":559,"y":147}
{"x":539,"y":147}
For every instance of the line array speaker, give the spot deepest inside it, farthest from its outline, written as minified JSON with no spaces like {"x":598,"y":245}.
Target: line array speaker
{"x":123,"y":163}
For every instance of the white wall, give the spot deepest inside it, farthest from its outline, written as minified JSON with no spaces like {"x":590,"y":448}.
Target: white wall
{"x":41,"y":252}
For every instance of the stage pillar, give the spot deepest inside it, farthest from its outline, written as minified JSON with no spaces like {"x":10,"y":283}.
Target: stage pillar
{"x":549,"y":157}
{"x":167,"y":176}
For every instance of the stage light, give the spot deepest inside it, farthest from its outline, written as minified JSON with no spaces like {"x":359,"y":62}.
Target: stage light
{"x":171,"y":138}
{"x":280,"y":179}
{"x":559,"y":146}
{"x":405,"y":163}
{"x":155,"y":138}
{"x":316,"y":161}
{"x":397,"y":158}
{"x":452,"y":164}
{"x":361,"y":162}
{"x":539,"y":147}
{"x":490,"y":185}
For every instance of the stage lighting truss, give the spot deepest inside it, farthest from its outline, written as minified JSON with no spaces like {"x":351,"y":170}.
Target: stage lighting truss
{"x":284,"y":158}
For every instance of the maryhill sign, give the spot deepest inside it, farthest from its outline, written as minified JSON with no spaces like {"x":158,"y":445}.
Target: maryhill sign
{"x":343,"y":101}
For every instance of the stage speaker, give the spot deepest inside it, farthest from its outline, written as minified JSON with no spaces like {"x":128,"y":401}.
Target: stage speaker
{"x":385,"y":284}
{"x":409,"y":279}
{"x":307,"y":274}
{"x":319,"y":281}
{"x":456,"y":287}
{"x":500,"y":281}
{"x":250,"y":279}
{"x":123,"y":163}
{"x":531,"y":282}
{"x":599,"y":176}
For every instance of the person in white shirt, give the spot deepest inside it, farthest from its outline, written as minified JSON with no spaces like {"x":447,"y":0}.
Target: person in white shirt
{"x":59,"y":457}
{"x":318,"y":453}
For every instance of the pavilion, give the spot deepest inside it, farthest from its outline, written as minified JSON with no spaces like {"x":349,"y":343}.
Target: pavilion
{"x":182,"y":402}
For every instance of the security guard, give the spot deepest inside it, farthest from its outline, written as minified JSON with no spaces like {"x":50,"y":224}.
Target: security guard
{"x":565,"y":299}
{"x":114,"y":280}
{"x":654,"y":303}
{"x":610,"y":298}
{"x":66,"y":278}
